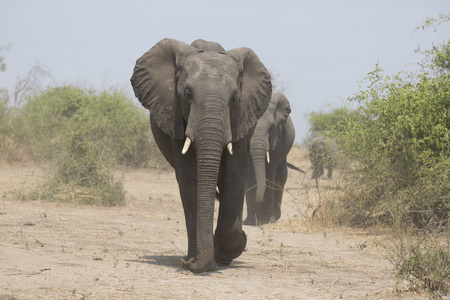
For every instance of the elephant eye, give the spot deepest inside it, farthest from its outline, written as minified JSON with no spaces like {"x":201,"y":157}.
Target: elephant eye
{"x":187,"y":95}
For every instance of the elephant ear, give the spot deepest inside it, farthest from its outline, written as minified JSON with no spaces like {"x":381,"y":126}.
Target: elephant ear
{"x":282,"y":111}
{"x":154,"y":84}
{"x":256,"y":90}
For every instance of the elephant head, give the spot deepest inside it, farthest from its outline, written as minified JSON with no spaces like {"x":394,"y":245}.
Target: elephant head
{"x":266,"y":138}
{"x":323,"y":153}
{"x":207,"y":45}
{"x":208,"y":98}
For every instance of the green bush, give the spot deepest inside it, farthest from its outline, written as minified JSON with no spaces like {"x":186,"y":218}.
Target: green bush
{"x":40,"y":124}
{"x":6,"y":149}
{"x":400,"y":143}
{"x":81,"y":135}
{"x":82,"y":171}
{"x":122,"y":127}
{"x":321,"y":122}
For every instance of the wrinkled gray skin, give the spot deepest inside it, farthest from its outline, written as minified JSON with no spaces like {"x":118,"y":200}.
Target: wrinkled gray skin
{"x":213,"y":98}
{"x":323,"y":154}
{"x":274,"y":134}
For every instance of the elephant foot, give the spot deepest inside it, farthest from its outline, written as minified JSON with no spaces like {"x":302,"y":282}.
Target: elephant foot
{"x":250,"y":221}
{"x":277,"y":213}
{"x":266,"y":217}
{"x":222,"y":263}
{"x":187,"y":264}
{"x":224,"y":255}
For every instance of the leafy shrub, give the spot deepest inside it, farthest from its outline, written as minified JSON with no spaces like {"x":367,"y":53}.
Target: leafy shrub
{"x":82,"y":171}
{"x":398,"y":140}
{"x":122,"y":127}
{"x":7,"y":150}
{"x":82,"y":135}
{"x":42,"y":122}
{"x":400,"y":143}
{"x":321,"y":122}
{"x":422,"y":260}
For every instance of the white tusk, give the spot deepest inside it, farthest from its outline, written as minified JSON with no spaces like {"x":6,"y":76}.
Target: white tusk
{"x":187,"y":143}
{"x":268,"y":157}
{"x":230,"y":148}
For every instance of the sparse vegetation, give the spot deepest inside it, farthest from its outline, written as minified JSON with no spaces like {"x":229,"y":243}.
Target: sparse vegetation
{"x":81,"y":173}
{"x":398,"y":141}
{"x":421,"y":259}
{"x":80,"y":136}
{"x":121,"y":127}
{"x":400,"y":148}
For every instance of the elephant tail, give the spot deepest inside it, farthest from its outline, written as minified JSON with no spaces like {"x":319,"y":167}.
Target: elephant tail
{"x":291,"y":166}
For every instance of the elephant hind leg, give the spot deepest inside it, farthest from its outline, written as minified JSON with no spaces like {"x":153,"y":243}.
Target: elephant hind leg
{"x":277,"y":205}
{"x":250,"y":219}
{"x":282,"y":174}
{"x":250,"y":196}
{"x":251,"y":207}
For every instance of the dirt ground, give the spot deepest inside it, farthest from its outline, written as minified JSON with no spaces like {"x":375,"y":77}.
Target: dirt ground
{"x":68,"y":251}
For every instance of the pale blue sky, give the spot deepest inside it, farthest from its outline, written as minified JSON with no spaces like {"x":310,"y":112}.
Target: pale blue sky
{"x":317,"y":50}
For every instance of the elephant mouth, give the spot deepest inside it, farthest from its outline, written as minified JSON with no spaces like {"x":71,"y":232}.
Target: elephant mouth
{"x":188,"y":142}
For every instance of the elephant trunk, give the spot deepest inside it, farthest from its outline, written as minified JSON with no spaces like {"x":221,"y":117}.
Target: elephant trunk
{"x":210,"y":144}
{"x":258,"y":153}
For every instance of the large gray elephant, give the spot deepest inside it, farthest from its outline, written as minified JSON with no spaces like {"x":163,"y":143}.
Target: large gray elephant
{"x":323,"y":154}
{"x":269,"y":146}
{"x":204,"y":103}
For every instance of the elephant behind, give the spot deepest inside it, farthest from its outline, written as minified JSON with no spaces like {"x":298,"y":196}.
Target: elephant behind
{"x":204,"y":103}
{"x":269,"y":146}
{"x":323,"y":154}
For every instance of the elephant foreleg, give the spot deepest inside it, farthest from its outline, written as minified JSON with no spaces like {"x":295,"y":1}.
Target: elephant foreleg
{"x":187,"y":178}
{"x":230,"y":239}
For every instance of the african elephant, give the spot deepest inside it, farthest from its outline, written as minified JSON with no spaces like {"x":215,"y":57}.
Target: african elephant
{"x":323,"y":154}
{"x":200,"y":94}
{"x":269,"y":146}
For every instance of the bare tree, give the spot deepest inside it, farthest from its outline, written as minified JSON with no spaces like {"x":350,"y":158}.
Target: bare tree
{"x":28,"y":85}
{"x":24,"y":87}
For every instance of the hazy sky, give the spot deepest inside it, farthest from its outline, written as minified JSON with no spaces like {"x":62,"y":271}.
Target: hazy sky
{"x":318,"y":50}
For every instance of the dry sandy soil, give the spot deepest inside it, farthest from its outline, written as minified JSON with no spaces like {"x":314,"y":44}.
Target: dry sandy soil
{"x":69,"y":251}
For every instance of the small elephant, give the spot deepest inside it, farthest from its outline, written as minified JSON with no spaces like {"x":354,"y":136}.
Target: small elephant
{"x":323,"y":154}
{"x":204,"y":103}
{"x":269,"y":146}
